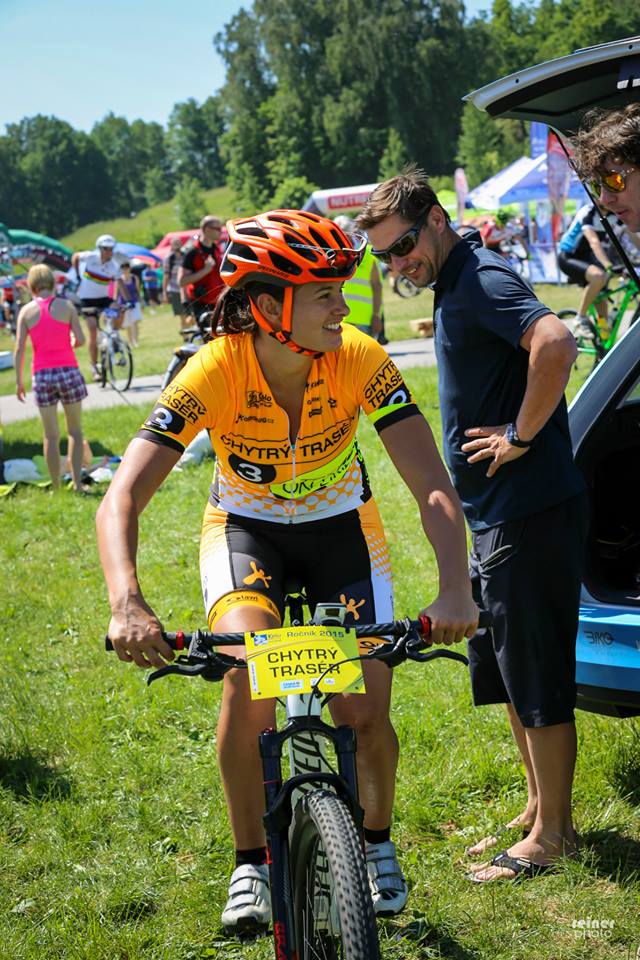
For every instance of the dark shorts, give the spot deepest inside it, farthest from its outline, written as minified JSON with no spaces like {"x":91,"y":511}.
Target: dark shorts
{"x":340,"y":559}
{"x":576,"y":269}
{"x":95,"y":303}
{"x":176,"y":303}
{"x":58,"y":383}
{"x":528,"y":574}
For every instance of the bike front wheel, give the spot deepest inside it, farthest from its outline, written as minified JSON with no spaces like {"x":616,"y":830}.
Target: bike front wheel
{"x":333,"y":910}
{"x":119,"y":364}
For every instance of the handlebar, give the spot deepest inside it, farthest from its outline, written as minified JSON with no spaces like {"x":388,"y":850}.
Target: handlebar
{"x":199,"y":656}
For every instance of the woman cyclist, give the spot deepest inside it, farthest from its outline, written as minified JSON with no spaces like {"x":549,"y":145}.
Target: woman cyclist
{"x":280,"y":393}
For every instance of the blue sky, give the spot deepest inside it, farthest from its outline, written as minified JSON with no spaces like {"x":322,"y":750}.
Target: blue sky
{"x":78,"y":59}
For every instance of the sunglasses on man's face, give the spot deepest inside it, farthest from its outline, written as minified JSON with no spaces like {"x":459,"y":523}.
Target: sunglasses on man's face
{"x":403,"y":246}
{"x":615,"y":181}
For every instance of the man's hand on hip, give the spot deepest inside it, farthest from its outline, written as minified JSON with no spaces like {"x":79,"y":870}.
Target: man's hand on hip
{"x":490,"y":444}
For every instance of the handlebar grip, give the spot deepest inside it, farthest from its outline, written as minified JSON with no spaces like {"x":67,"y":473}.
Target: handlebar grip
{"x":177,"y":641}
{"x":485,"y":619}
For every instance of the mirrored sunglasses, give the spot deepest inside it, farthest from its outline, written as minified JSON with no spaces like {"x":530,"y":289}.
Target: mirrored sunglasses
{"x":615,"y":181}
{"x":403,"y":246}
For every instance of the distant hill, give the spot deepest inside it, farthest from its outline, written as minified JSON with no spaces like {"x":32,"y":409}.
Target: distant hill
{"x":151,"y":224}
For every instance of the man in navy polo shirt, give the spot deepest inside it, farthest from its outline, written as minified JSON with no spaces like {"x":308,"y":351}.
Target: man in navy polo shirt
{"x":503,"y":364}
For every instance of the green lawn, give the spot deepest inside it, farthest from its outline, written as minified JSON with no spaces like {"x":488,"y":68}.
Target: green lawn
{"x":114,"y":843}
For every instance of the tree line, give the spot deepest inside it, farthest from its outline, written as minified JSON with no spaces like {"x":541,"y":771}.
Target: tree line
{"x":318,"y":93}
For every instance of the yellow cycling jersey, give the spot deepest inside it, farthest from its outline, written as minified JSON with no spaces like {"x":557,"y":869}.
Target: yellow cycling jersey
{"x":259,"y":473}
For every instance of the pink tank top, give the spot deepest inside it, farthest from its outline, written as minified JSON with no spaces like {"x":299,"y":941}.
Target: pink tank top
{"x":51,"y":340}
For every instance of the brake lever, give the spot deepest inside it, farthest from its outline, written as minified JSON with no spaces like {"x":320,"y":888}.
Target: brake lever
{"x":211,"y":667}
{"x":413,"y":652}
{"x":397,"y":655}
{"x":180,"y":666}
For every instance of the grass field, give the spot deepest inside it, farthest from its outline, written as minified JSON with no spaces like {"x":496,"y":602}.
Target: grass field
{"x":114,"y":843}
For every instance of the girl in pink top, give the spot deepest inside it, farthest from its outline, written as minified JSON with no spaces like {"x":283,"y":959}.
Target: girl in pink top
{"x":53,"y":326}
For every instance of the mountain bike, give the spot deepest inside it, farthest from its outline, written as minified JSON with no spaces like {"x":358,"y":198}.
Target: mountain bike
{"x":115,"y":360}
{"x":604,"y":333}
{"x":320,"y":895}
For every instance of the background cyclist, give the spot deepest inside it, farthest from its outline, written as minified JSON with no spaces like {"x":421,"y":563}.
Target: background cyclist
{"x":97,"y":270}
{"x":586,"y":261}
{"x":280,"y":395}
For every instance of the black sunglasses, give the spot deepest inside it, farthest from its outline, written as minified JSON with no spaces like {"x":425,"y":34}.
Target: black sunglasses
{"x":404,"y":244}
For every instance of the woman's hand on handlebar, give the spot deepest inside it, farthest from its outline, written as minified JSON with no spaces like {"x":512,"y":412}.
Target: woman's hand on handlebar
{"x":136,"y":635}
{"x":453,"y":616}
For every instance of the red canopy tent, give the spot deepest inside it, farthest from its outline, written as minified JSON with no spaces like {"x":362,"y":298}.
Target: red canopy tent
{"x":164,"y":247}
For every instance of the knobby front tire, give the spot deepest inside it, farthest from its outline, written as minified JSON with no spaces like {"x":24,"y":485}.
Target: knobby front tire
{"x":333,"y":910}
{"x":119,"y":364}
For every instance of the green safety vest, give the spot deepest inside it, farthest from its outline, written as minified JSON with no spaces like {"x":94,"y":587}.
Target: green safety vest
{"x":358,"y":292}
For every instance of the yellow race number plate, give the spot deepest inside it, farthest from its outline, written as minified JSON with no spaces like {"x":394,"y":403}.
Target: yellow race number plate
{"x":295,"y":659}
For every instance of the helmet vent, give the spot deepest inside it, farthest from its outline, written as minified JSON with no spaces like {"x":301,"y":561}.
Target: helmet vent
{"x":242,"y":250}
{"x":286,"y":220}
{"x":252,"y":232}
{"x":281,"y":263}
{"x":319,"y":239}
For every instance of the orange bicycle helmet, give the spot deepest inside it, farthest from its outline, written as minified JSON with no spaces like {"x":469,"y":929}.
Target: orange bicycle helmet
{"x":287,"y":248}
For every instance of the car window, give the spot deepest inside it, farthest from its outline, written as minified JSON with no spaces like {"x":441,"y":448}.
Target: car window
{"x":633,"y":396}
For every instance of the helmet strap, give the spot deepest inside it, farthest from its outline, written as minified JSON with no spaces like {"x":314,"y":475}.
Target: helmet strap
{"x":284,"y":334}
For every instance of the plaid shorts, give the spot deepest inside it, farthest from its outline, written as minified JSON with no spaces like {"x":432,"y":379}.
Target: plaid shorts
{"x":58,"y":383}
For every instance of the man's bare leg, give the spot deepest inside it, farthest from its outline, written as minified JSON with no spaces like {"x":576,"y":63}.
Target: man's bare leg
{"x":527,"y":817}
{"x":553,"y":754}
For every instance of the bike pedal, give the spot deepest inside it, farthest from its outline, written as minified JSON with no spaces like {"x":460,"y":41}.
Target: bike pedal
{"x":247,"y":931}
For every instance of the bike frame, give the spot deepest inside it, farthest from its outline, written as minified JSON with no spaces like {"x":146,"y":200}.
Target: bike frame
{"x":629,"y":291}
{"x":305,"y":733}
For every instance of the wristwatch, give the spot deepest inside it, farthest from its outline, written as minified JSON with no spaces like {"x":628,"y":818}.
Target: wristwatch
{"x":511,"y":433}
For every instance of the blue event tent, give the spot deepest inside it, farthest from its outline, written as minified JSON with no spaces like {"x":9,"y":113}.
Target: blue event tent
{"x":521,"y":181}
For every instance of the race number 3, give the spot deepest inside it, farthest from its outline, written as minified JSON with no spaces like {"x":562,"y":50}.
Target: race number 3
{"x":252,"y":472}
{"x":166,"y":420}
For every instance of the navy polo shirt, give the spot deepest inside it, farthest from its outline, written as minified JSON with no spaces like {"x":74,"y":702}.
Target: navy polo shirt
{"x":482,"y":310}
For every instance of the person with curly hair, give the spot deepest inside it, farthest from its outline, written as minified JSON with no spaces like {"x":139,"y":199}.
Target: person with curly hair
{"x":607,"y":153}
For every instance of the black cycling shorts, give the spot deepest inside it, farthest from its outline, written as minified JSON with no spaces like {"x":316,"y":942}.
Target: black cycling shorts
{"x":576,"y":269}
{"x":95,"y":303}
{"x":528,"y":574}
{"x":339,"y":559}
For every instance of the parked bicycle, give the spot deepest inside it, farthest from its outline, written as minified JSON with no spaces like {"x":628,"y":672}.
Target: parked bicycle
{"x":620,"y":299}
{"x":115,"y":360}
{"x":193,"y":338}
{"x":320,"y":896}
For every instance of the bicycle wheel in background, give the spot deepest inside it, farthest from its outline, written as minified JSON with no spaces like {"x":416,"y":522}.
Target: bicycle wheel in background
{"x":333,"y":910}
{"x":119,"y":364}
{"x":589,"y":351}
{"x":103,"y":364}
{"x":404,"y":287}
